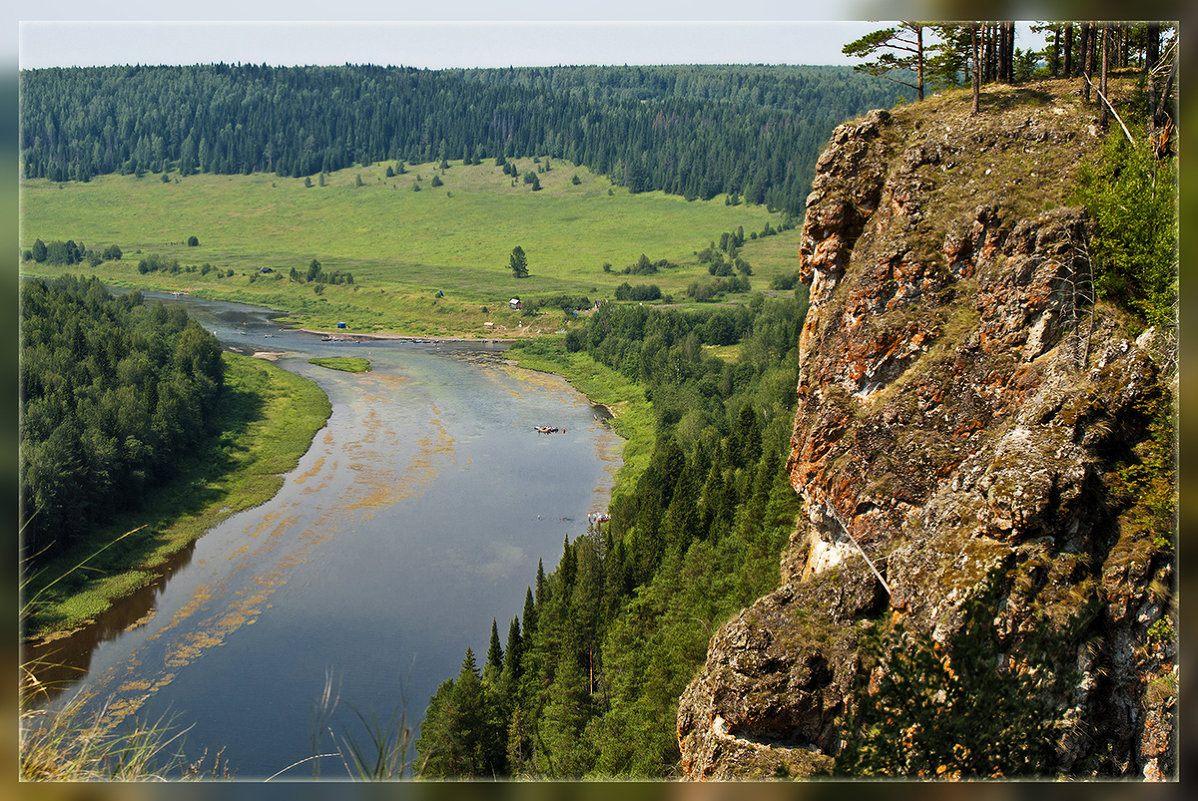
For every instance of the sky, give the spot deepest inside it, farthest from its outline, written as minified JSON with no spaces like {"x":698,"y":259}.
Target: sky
{"x":449,"y":33}
{"x":437,"y":44}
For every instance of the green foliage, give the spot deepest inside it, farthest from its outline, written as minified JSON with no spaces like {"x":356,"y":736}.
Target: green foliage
{"x":567,"y":303}
{"x":457,"y":738}
{"x":704,"y":291}
{"x":1132,"y":196}
{"x":518,"y":263}
{"x":1147,"y":485}
{"x":112,"y":391}
{"x":962,"y":712}
{"x":639,"y":292}
{"x":317,"y":274}
{"x":349,"y":364}
{"x":60,"y":253}
{"x":1161,"y":631}
{"x":783,"y":282}
{"x":899,"y":50}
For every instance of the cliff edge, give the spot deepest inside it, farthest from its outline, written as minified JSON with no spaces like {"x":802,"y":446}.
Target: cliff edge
{"x":966,"y":592}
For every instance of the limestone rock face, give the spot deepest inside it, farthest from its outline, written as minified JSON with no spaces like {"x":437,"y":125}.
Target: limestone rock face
{"x":960,"y":410}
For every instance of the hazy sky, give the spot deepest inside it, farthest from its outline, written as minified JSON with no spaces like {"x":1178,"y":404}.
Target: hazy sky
{"x":436,"y":44}
{"x":449,"y":33}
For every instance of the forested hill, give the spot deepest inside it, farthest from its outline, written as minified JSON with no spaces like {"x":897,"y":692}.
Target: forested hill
{"x":697,"y":131}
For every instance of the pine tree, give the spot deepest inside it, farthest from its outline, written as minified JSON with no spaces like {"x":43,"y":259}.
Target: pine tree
{"x":542,"y":589}
{"x":562,"y":723}
{"x":511,"y":663}
{"x":530,"y":614}
{"x":518,"y":263}
{"x":469,"y":702}
{"x":906,"y":39}
{"x":494,"y":651}
{"x":567,"y":568}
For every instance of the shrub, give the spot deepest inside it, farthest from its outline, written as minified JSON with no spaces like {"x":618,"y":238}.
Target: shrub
{"x":1131,"y":195}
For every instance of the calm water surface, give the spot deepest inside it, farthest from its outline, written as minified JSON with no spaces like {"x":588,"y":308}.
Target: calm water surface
{"x":419,"y":513}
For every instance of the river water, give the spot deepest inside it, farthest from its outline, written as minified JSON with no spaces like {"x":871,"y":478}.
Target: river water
{"x":419,"y":512}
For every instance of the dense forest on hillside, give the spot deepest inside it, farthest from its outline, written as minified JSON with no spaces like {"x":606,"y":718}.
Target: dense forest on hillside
{"x":698,"y":131}
{"x":589,"y":680}
{"x":113,"y":391}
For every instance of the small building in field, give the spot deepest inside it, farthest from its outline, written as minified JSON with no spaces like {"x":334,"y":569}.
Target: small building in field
{"x":341,"y":325}
{"x":514,"y":303}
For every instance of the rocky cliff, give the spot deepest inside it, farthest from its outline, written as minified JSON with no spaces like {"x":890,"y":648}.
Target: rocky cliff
{"x":964,"y":411}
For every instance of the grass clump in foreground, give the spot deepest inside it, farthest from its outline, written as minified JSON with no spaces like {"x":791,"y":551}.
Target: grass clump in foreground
{"x":72,"y":744}
{"x":348,"y":364}
{"x":265,"y":421}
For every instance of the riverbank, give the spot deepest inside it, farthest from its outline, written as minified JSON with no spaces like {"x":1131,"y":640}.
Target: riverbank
{"x":631,"y":413}
{"x":266,"y":420}
{"x":354,"y":336}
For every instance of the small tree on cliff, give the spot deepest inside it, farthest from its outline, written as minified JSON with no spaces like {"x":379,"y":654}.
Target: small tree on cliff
{"x":965,"y":709}
{"x":897,"y":49}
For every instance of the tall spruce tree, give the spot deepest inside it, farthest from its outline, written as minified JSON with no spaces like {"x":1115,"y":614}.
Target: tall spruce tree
{"x":518,"y":262}
{"x":494,"y":651}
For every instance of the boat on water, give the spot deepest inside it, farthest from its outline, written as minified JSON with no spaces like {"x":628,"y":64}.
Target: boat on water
{"x":547,"y":429}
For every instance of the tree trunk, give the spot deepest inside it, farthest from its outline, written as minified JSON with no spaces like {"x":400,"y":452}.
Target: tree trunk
{"x":1068,"y":37}
{"x":1104,"y":116}
{"x":1087,"y":58}
{"x":991,"y":53}
{"x":977,"y":67}
{"x":919,"y":59}
{"x":1001,"y":57}
{"x":1152,"y":53}
{"x":1010,"y":52}
{"x":1160,"y":108}
{"x":1056,"y":53}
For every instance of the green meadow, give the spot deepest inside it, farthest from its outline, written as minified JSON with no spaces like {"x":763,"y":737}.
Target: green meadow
{"x":403,"y":247}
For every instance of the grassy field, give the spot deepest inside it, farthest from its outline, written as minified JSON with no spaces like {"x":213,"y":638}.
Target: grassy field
{"x":349,"y":364}
{"x":403,"y":247}
{"x":267,"y":417}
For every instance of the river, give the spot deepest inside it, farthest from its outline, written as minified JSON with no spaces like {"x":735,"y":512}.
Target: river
{"x":419,"y":512}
